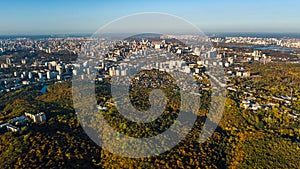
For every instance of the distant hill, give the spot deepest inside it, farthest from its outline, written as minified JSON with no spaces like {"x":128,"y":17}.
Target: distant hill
{"x":145,"y":36}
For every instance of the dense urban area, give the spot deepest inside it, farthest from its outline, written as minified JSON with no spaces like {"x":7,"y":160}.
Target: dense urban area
{"x":260,"y":125}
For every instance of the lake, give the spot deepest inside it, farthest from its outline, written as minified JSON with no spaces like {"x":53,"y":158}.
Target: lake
{"x":44,"y":89}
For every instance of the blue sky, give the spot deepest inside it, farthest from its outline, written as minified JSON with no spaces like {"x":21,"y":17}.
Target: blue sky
{"x":71,"y":16}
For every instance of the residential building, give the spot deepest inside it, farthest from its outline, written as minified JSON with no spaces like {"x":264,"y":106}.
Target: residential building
{"x":40,"y":117}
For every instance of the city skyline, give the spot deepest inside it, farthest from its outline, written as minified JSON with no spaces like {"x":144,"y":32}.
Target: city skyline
{"x":74,"y":17}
